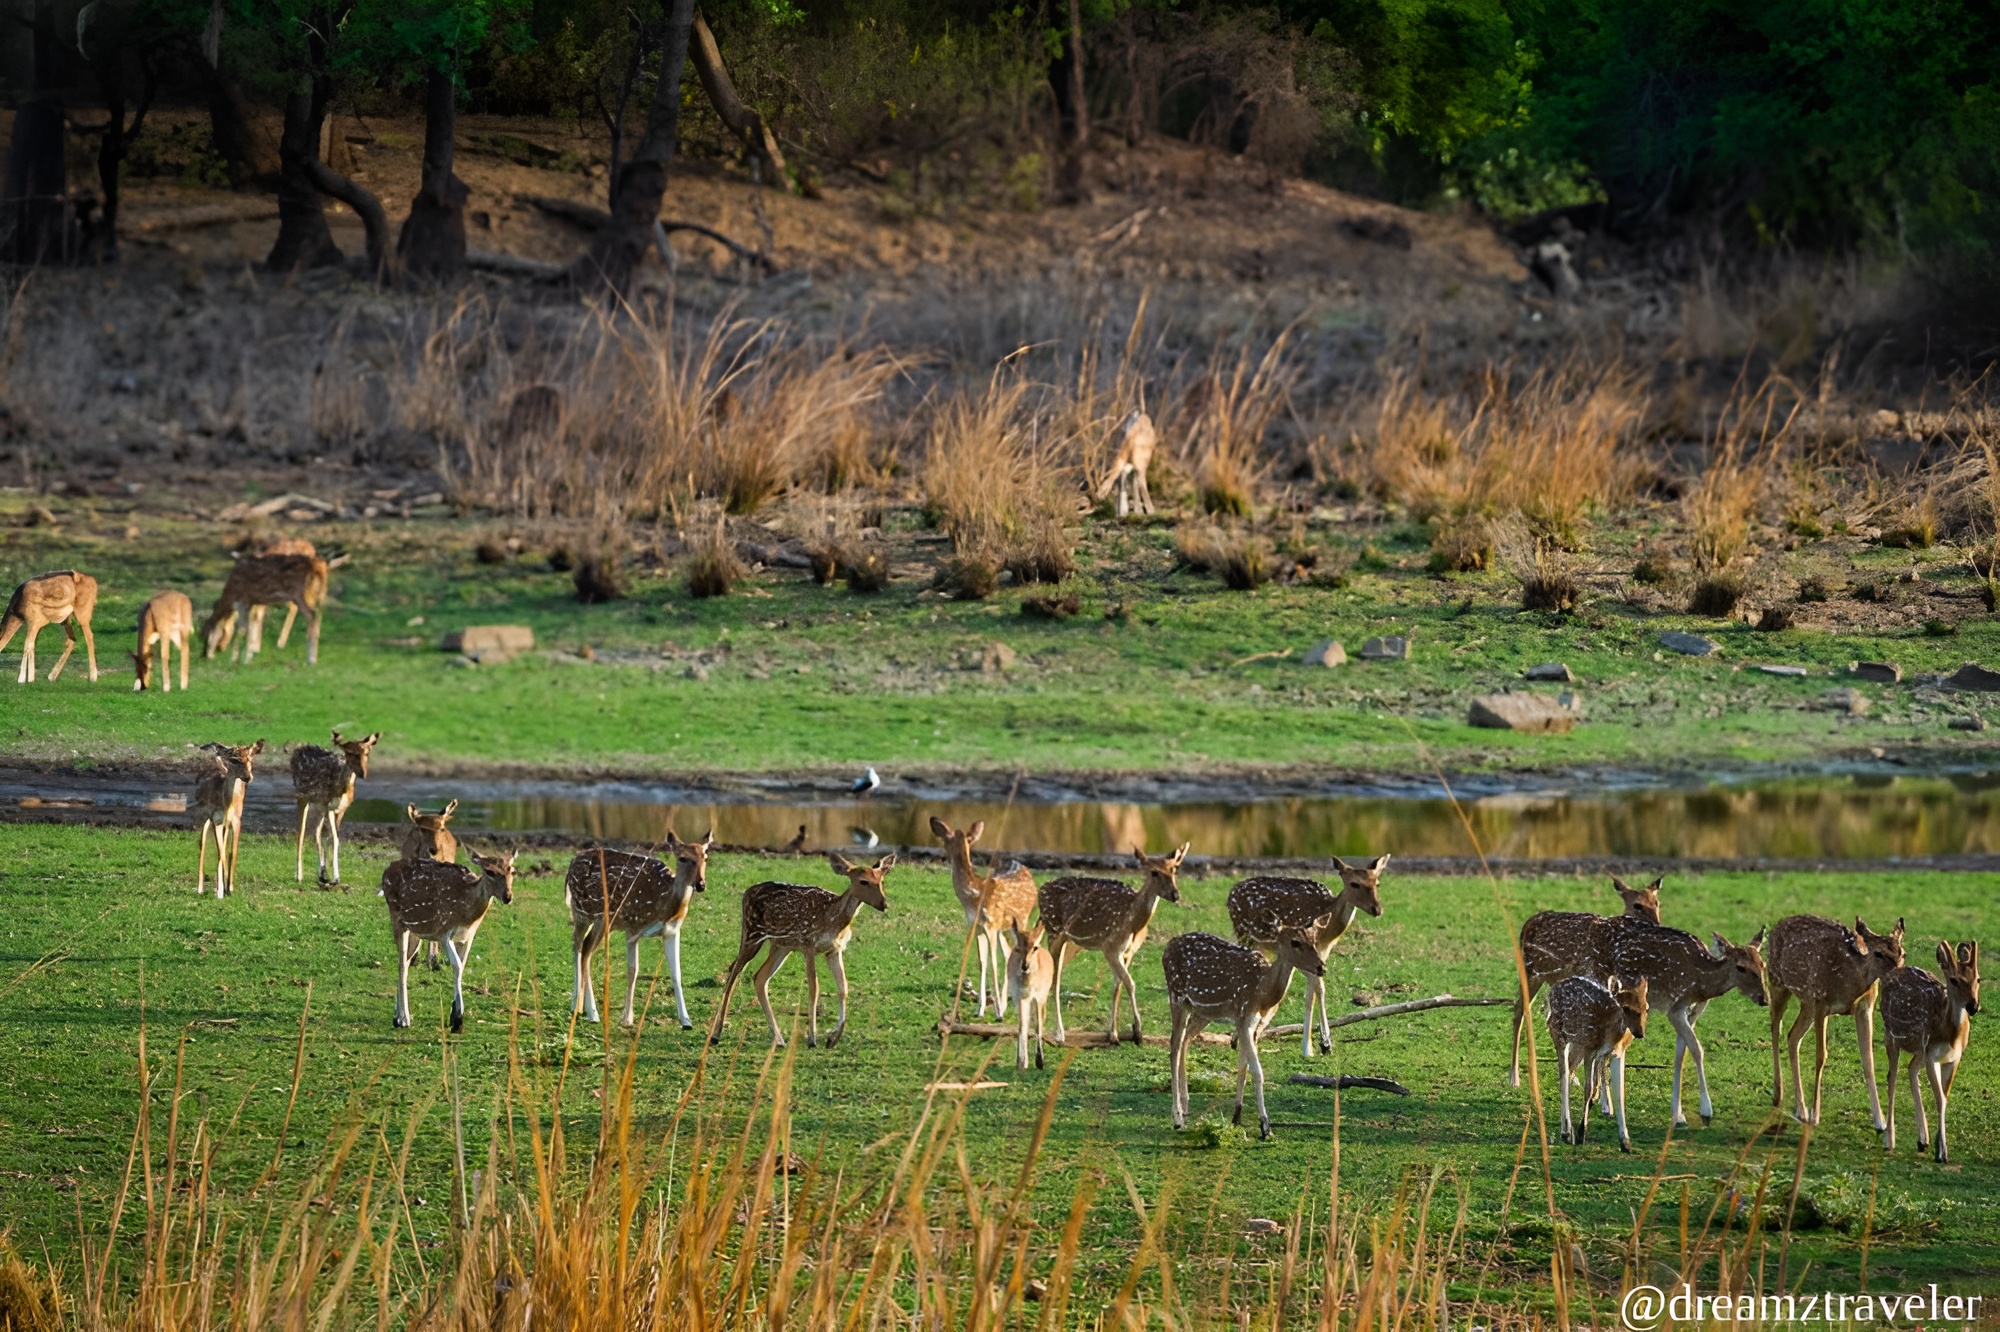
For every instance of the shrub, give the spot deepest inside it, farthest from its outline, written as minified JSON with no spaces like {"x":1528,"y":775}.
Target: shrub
{"x":1461,"y":545}
{"x":490,"y":551}
{"x":1052,"y":608}
{"x":866,"y":572}
{"x":971,"y":576}
{"x":713,"y":568}
{"x":1043,"y":556}
{"x":1551,"y":586}
{"x":1198,"y":545}
{"x":1776,"y":619}
{"x":561,"y":560}
{"x":1653,"y":570}
{"x":600,"y":570}
{"x":1814,"y":589}
{"x":1716,"y":595}
{"x":1940,"y":629}
{"x":1245,"y":563}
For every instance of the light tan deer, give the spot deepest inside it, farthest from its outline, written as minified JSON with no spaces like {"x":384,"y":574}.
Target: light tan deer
{"x":219,"y":788}
{"x":298,"y":581}
{"x":1128,"y":469}
{"x":168,"y":620}
{"x":1591,"y":1025}
{"x":796,"y":918}
{"x":1556,"y":945}
{"x":325,"y":778}
{"x":430,"y":900}
{"x":1030,"y":973}
{"x":993,"y":904}
{"x":1106,"y":916}
{"x":620,"y":890}
{"x":1210,"y":979}
{"x":1930,"y":1020}
{"x":1831,"y":971}
{"x":1266,"y":909}
{"x":66,"y":598}
{"x":1681,"y":977}
{"x":427,"y":838}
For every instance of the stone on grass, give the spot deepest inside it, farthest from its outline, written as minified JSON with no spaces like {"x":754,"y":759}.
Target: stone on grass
{"x":1329,"y":653}
{"x":995,"y":658}
{"x":1849,"y":702}
{"x":1551,"y":670}
{"x":490,"y":642}
{"x":1974,"y":676}
{"x":1975,"y":722}
{"x":1688,"y":645}
{"x":1395,"y":647}
{"x":1783,"y":670}
{"x":1881,"y":672}
{"x":1536,"y":714}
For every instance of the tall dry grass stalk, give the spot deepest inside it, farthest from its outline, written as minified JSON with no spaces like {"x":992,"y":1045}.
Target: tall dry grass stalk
{"x":993,"y":464}
{"x":1744,"y":447}
{"x":1224,"y":419}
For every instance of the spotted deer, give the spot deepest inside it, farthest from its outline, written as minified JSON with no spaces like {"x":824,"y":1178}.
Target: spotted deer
{"x":323,"y":779}
{"x":219,"y":788}
{"x":1591,"y":1025}
{"x":620,"y":890}
{"x":1681,"y":977}
{"x":1106,"y":916}
{"x":66,"y":598}
{"x":993,"y":904}
{"x":1556,"y":945}
{"x":427,"y":838}
{"x":1210,"y":979}
{"x":167,"y":620}
{"x":1264,"y":910}
{"x":1832,"y":971}
{"x":1930,"y":1020}
{"x":1128,"y":469}
{"x":1030,"y":973}
{"x":284,"y":545}
{"x":430,"y":900}
{"x":797,"y":918}
{"x":297,"y":581}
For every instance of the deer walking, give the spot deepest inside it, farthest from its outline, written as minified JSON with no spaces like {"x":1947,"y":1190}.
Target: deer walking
{"x":1210,"y":979}
{"x":430,"y":900}
{"x":1832,"y":971}
{"x":66,"y":598}
{"x":797,"y":918}
{"x":297,"y":581}
{"x":1030,"y":973}
{"x":324,"y":778}
{"x":1128,"y":469}
{"x":1106,"y":916}
{"x":1265,"y":910}
{"x":168,"y":620}
{"x":620,"y":890}
{"x":1591,"y":1025}
{"x":1930,"y":1020}
{"x":427,"y":838}
{"x":1556,"y":945}
{"x":219,"y":788}
{"x":993,"y":904}
{"x":1681,"y":977}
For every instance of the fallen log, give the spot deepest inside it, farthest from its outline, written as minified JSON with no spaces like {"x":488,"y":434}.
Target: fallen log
{"x":1097,"y":1040}
{"x":1347,"y":1080}
{"x":512,"y":265}
{"x":591,"y":218}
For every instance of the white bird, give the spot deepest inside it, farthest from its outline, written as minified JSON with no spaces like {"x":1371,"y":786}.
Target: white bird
{"x":865,"y":837}
{"x":866,"y":782}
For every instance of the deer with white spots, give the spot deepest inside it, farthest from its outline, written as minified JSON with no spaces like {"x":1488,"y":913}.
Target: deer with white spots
{"x":1930,"y":1020}
{"x":1108,"y":917}
{"x":324,"y":779}
{"x":1210,"y":979}
{"x":294,"y":581}
{"x":427,"y":838}
{"x":219,"y":788}
{"x":1030,"y":973}
{"x":430,"y":900}
{"x":1591,"y":1026}
{"x":67,"y":598}
{"x":1681,"y":977}
{"x":622,"y":890}
{"x":798,"y":918}
{"x":1556,"y":945}
{"x":1832,"y":971}
{"x":1265,"y":910}
{"x":993,"y":905}
{"x":167,"y":620}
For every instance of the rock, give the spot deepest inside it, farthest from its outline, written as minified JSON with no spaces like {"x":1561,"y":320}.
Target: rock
{"x":1551,"y":670}
{"x":1973,"y":723}
{"x":1882,"y":672}
{"x":697,"y":671}
{"x":1783,"y":670}
{"x":1329,"y":653}
{"x":1366,"y":999}
{"x":478,"y":640}
{"x":1974,"y":676}
{"x":1851,"y":702}
{"x":1531,"y":713}
{"x":1396,"y":647}
{"x":995,"y":658}
{"x":1688,"y":645}
{"x":1262,"y":1225}
{"x":1033,"y":1290}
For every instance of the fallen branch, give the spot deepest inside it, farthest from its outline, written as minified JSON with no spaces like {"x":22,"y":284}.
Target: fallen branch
{"x":512,"y":265}
{"x":1347,"y":1080}
{"x":592,"y":218}
{"x":1097,"y":1040}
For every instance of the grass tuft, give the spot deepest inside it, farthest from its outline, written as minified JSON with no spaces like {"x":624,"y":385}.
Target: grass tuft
{"x":713,"y":569}
{"x":866,"y":572}
{"x":968,"y":576}
{"x":1244,"y":562}
{"x":1716,"y":595}
{"x":1062,"y":607}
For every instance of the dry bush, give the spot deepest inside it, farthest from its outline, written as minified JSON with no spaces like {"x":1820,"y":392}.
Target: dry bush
{"x":1244,"y":562}
{"x":865,"y":570}
{"x":1044,"y":554}
{"x":1743,"y":449}
{"x":1777,"y":619}
{"x":989,"y":467}
{"x":1561,"y":444}
{"x":1419,"y":452}
{"x":1198,"y":544}
{"x":1461,"y":545}
{"x":1814,"y":589}
{"x":1717,"y":594}
{"x":1063,"y":607}
{"x":1918,"y":528}
{"x":490,"y":551}
{"x":1550,"y":583}
{"x":968,"y":576}
{"x":1224,"y":417}
{"x":713,"y":567}
{"x":30,"y":1300}
{"x":600,"y":573}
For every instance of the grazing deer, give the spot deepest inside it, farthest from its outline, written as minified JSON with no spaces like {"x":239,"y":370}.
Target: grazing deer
{"x":1590,"y":1025}
{"x":430,"y":900}
{"x":1931,"y":1020}
{"x":993,"y":903}
{"x":1105,"y":916}
{"x":1266,"y":910}
{"x":619,"y":890}
{"x":1128,"y":469}
{"x":1681,"y":977}
{"x":284,"y":545}
{"x":298,"y":581}
{"x":1210,"y":979}
{"x":796,"y":918}
{"x":1556,"y":945}
{"x":326,"y":777}
{"x":168,"y":620}
{"x":1030,"y":973}
{"x":1831,"y":971}
{"x":66,"y":598}
{"x":219,"y":789}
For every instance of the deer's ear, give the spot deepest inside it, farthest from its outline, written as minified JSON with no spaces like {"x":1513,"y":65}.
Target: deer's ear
{"x":373,"y":738}
{"x":1620,"y":885}
{"x":258,"y":748}
{"x":840,"y":863}
{"x":939,"y":827}
{"x":1380,"y":863}
{"x":1657,"y":884}
{"x":976,"y":831}
{"x":336,"y":737}
{"x":1757,"y":939}
{"x":1181,"y":854}
{"x":1897,"y":933}
{"x":708,"y":840}
{"x":410,"y":813}
{"x":887,"y":862}
{"x":451,"y":808}
{"x":1721,"y":944}
{"x":1945,"y":957}
{"x":673,"y":842}
{"x":1341,"y":865}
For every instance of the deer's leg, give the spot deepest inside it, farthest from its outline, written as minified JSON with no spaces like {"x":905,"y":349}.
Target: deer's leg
{"x":1001,"y":955}
{"x":1242,"y":1072}
{"x":1819,"y":1060}
{"x":456,"y":952}
{"x":89,"y":645}
{"x":744,"y":953}
{"x":631,"y":976}
{"x":836,"y":964}
{"x":1938,"y":1089}
{"x":1058,"y":951}
{"x":285,"y":629}
{"x":1864,"y":1032}
{"x":1248,"y":1041}
{"x":1618,"y":1099}
{"x":982,"y":943}
{"x":1021,"y":1045}
{"x":1684,"y":1041}
{"x":1917,"y":1100}
{"x":1524,"y":1000}
{"x":812,"y":999}
{"x":1041,"y":1028}
{"x":1313,"y":995}
{"x":671,"y":942}
{"x":1177,"y":1066}
{"x":1124,"y":979}
{"x":27,"y":675}
{"x":1779,"y":998}
{"x":182,"y":638}
{"x":300,"y":860}
{"x":402,"y":978}
{"x":69,"y":646}
{"x":1145,"y":496}
{"x":253,"y":631}
{"x":761,"y":982}
{"x":201,"y":860}
{"x":1889,"y":1129}
{"x":1792,"y":1039}
{"x":583,"y":997}
{"x":312,"y":636}
{"x":1569,"y":1133}
{"x":9,"y":626}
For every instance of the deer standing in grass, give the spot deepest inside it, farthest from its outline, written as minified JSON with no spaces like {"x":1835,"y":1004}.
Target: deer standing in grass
{"x":620,"y":890}
{"x":993,"y":903}
{"x":1556,"y":945}
{"x":324,"y":778}
{"x":797,"y":918}
{"x":427,"y":838}
{"x":1265,"y":910}
{"x":168,"y":620}
{"x":1831,"y":971}
{"x":66,"y":598}
{"x":219,"y":788}
{"x":1930,"y":1020}
{"x":1681,"y":977}
{"x":297,"y":581}
{"x":1030,"y":973}
{"x":1128,"y":469}
{"x":430,"y":900}
{"x":1106,"y":916}
{"x":1210,"y":979}
{"x":1590,"y":1026}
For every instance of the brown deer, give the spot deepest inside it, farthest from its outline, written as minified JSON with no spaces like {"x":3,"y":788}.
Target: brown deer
{"x":1591,"y":1025}
{"x":1831,"y":971}
{"x":219,"y":788}
{"x":620,"y":890}
{"x":1930,"y":1020}
{"x":1681,"y":977}
{"x":168,"y":620}
{"x":1106,"y":916}
{"x":796,"y":918}
{"x":1265,"y":910}
{"x":1210,"y":979}
{"x":993,"y":904}
{"x":325,"y":778}
{"x":1128,"y":469}
{"x":1030,"y":973}
{"x":430,"y":900}
{"x":427,"y":838}
{"x":1556,"y":945}
{"x":284,"y":545}
{"x":66,"y":598}
{"x":298,"y":581}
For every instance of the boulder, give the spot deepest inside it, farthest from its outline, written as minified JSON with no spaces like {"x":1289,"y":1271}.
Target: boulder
{"x":1975,"y":722}
{"x":1535,"y":714}
{"x":1551,"y":670}
{"x":1848,"y":702}
{"x":1329,"y":653}
{"x":480,"y":639}
{"x":1395,"y":647}
{"x":1881,"y":672}
{"x":1783,"y":670}
{"x":995,"y":658}
{"x":1974,"y":676}
{"x":1688,"y":645}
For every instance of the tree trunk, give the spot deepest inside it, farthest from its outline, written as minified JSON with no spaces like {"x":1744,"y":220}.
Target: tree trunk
{"x":432,"y":245}
{"x":767,"y":164}
{"x":239,"y":136}
{"x":1074,"y":105}
{"x":303,"y":238}
{"x":36,"y":207}
{"x":118,"y":137}
{"x":374,"y":221}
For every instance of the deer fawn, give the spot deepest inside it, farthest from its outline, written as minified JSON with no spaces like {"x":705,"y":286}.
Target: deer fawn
{"x":1590,"y":1026}
{"x":1556,"y":945}
{"x":66,"y":598}
{"x":1103,"y":915}
{"x":219,"y":789}
{"x":993,"y":903}
{"x":1831,"y":971}
{"x":795,"y":918}
{"x":1210,"y":979}
{"x":298,"y":581}
{"x":1681,"y":977}
{"x":1265,"y":910}
{"x":326,"y":778}
{"x":1030,"y":973}
{"x":167,"y":619}
{"x":1931,"y":1022}
{"x":429,"y":899}
{"x":619,"y":890}
{"x":1128,"y":469}
{"x":428,"y":839}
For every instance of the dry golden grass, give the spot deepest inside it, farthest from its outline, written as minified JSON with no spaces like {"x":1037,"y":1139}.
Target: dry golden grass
{"x":1224,"y":419}
{"x":1744,"y":449}
{"x":712,"y":566}
{"x":991,"y":467}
